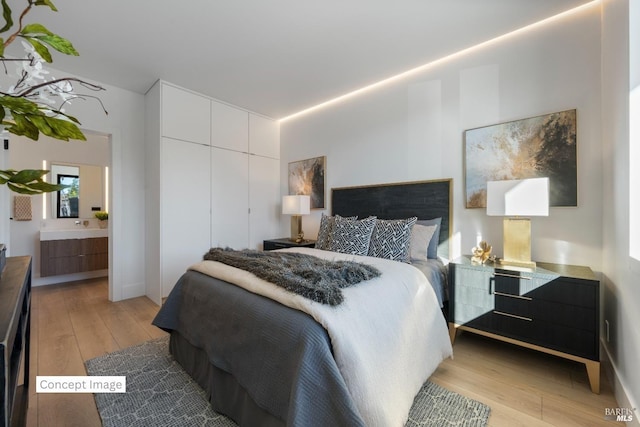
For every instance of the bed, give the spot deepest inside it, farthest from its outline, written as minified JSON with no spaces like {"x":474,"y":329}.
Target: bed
{"x":267,"y":357}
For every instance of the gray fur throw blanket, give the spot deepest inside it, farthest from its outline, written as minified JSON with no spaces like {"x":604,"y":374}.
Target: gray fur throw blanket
{"x":306,"y":275}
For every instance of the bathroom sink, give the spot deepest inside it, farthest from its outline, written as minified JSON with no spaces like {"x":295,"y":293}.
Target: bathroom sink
{"x":73,"y":233}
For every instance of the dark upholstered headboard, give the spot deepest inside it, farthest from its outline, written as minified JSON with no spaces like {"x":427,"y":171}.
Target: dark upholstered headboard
{"x":424,"y":199}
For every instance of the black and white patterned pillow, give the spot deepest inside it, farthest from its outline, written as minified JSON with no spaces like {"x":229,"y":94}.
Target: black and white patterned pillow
{"x":325,"y":232}
{"x":391,"y":239}
{"x":352,"y":236}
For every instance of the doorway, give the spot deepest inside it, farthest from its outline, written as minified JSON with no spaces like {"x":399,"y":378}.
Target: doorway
{"x":72,"y":210}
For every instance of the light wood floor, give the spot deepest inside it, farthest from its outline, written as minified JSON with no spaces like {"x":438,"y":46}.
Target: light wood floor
{"x":75,"y":322}
{"x":72,"y":323}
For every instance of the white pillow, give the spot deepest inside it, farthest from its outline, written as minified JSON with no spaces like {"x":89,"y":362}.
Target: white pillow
{"x":420,"y":237}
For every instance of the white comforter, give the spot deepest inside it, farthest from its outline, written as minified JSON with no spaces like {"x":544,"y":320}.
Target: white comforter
{"x":388,"y":335}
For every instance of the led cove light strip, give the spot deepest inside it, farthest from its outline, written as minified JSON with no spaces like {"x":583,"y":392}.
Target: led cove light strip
{"x":439,"y":61}
{"x":106,"y":189}
{"x":44,"y":195}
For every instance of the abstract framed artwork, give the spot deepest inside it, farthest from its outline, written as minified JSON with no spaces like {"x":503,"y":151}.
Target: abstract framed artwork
{"x":308,"y":177}
{"x":542,"y":146}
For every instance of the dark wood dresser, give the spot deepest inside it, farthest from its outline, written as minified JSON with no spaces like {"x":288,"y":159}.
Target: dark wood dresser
{"x":15,"y":320}
{"x":552,"y":308}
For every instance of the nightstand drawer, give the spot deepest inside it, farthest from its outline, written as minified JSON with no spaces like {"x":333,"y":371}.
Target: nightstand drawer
{"x":561,"y":338}
{"x":270,"y":246}
{"x":565,"y":315}
{"x":512,"y":325}
{"x":577,"y":342}
{"x":568,"y":291}
{"x":515,"y":305}
{"x":273,"y":244}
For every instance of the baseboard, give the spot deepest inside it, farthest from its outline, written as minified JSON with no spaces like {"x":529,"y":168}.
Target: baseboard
{"x":65,"y":278}
{"x":619,"y":389}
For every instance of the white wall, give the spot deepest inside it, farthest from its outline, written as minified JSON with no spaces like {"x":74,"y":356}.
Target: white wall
{"x":620,"y":271}
{"x":125,"y":125}
{"x":413,"y":130}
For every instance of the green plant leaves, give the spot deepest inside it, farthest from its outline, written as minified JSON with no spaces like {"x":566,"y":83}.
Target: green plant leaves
{"x":6,"y":14}
{"x":37,"y":34}
{"x":60,"y":44}
{"x":30,"y":120}
{"x":35,"y":29}
{"x":46,"y":3}
{"x":30,"y":125}
{"x":101,"y":215}
{"x":41,"y":49}
{"x":19,"y":105}
{"x":28,"y":181}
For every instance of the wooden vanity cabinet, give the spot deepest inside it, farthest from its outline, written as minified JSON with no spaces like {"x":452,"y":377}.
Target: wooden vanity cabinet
{"x":73,"y":255}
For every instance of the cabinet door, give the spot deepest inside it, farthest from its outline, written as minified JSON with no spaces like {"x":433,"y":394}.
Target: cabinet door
{"x":264,"y":137}
{"x":229,"y":199}
{"x":59,"y":257}
{"x":185,"y":115}
{"x":95,"y":254}
{"x":185,"y":208}
{"x":229,"y":127}
{"x":264,"y":199}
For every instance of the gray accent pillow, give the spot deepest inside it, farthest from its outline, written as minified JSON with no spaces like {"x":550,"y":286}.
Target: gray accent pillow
{"x":432,"y":249}
{"x":391,"y":239}
{"x":325,"y":232}
{"x":352,"y":236}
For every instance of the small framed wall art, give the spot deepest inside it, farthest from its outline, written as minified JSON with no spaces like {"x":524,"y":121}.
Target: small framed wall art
{"x":308,"y":177}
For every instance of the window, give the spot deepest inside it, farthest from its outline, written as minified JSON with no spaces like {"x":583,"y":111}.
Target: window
{"x":634,"y":129}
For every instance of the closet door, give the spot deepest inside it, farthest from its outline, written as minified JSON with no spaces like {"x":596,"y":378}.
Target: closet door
{"x":264,"y":199}
{"x":229,"y":127}
{"x":264,"y":137}
{"x":185,"y":208}
{"x":229,"y":199}
{"x":185,"y":115}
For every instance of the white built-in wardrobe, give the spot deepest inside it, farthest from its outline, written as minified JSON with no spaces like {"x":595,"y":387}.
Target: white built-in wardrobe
{"x":212,"y":179}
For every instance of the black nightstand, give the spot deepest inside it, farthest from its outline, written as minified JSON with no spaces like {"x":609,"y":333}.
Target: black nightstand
{"x":552,"y":308}
{"x":271,"y":244}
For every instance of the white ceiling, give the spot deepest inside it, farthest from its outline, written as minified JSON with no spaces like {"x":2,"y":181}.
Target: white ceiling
{"x":273,"y":57}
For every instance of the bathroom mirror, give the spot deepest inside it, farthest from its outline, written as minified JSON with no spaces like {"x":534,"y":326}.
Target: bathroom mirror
{"x":85,"y":194}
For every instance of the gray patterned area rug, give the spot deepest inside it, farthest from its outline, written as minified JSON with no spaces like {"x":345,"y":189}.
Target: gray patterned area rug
{"x":161,"y":393}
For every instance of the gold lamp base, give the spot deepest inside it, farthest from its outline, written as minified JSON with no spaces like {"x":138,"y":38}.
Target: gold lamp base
{"x":517,"y":242}
{"x":296,"y":229}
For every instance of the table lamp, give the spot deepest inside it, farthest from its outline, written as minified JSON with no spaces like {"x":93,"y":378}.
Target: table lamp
{"x":296,"y":206}
{"x":517,"y":200}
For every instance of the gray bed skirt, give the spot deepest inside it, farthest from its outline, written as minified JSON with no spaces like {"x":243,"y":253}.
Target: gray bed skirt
{"x":227,"y":397}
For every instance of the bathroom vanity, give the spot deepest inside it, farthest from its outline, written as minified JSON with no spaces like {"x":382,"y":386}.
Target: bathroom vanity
{"x":73,"y":251}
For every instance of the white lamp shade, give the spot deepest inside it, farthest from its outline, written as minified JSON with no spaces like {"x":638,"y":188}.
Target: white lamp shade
{"x":296,"y":205}
{"x":518,"y":197}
